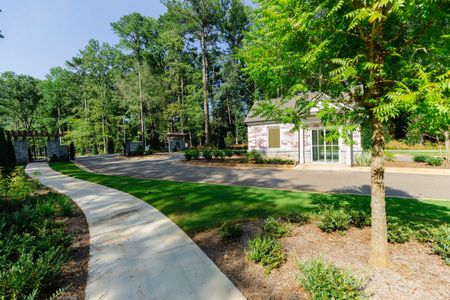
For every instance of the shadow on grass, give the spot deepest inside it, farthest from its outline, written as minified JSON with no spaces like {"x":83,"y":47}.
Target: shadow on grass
{"x":196,"y":206}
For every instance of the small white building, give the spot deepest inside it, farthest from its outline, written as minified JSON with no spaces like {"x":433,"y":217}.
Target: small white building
{"x":306,"y":146}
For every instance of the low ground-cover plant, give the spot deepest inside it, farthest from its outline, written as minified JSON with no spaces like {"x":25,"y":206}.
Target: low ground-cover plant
{"x":359,"y":219}
{"x":207,"y":154}
{"x":298,"y":216}
{"x":254,"y":157}
{"x":274,"y":227}
{"x":439,"y":240}
{"x":33,"y":243}
{"x":389,"y":156}
{"x":433,"y":161}
{"x":228,"y":152}
{"x":326,"y":281}
{"x":218,"y":154}
{"x":267,"y":251}
{"x":363,"y":159}
{"x":334,"y":219}
{"x":397,"y":231}
{"x":230,"y":231}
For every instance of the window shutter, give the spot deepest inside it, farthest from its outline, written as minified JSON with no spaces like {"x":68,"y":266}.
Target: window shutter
{"x":274,"y":137}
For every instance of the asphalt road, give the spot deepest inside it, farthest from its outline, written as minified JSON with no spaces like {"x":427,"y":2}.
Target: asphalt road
{"x":342,"y":181}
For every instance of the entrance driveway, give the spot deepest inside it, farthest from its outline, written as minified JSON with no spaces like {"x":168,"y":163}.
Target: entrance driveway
{"x":340,"y":181}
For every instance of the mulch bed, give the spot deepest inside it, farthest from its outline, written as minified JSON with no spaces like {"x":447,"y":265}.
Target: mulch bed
{"x":410,"y":164}
{"x":414,"y":273}
{"x":233,"y":162}
{"x":74,"y":273}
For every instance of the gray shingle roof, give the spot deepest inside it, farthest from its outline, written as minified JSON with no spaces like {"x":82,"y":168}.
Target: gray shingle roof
{"x":290,"y":103}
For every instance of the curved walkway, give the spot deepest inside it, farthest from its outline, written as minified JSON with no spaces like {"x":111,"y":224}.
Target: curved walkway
{"x":136,"y":252}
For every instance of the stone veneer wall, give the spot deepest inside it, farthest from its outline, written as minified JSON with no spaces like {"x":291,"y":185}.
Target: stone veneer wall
{"x":53,"y":149}
{"x":21,"y":151}
{"x":258,"y":140}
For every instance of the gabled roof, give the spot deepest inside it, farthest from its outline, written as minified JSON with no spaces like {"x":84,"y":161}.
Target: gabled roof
{"x":290,"y":103}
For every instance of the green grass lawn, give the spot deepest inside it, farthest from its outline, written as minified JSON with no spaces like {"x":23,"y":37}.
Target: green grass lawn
{"x":196,"y":206}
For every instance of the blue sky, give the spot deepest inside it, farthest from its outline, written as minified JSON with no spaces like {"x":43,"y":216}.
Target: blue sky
{"x":40,"y":34}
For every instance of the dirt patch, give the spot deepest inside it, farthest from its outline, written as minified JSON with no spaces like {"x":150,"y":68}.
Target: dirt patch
{"x":414,"y":273}
{"x":74,"y":273}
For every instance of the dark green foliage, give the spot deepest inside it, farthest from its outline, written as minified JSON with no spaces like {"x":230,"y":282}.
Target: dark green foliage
{"x":188,"y":155}
{"x":207,"y":154}
{"x":219,"y":154}
{"x":254,"y":157}
{"x":326,"y":281}
{"x":398,"y":232}
{"x":54,"y":158}
{"x":228,"y":152}
{"x":72,"y":151}
{"x":298,"y":216}
{"x":274,"y":228}
{"x":3,"y":149}
{"x":433,"y":161}
{"x":439,"y":240}
{"x":267,"y":251}
{"x":230,"y":231}
{"x":195,"y":154}
{"x":334,"y":219}
{"x":359,"y":219}
{"x":420,"y":158}
{"x":277,"y":161}
{"x":65,"y":207}
{"x":33,"y":243}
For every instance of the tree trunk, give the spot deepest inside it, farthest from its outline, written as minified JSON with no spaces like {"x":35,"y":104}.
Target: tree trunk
{"x":141,"y":102}
{"x":378,"y":247}
{"x":59,"y":125}
{"x":205,"y":83}
{"x":105,"y":139}
{"x":447,"y":145}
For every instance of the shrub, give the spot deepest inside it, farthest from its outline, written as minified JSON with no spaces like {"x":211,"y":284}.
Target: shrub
{"x":439,"y":240}
{"x":19,"y":186}
{"x":195,"y":153}
{"x":46,"y":209}
{"x":72,"y":151}
{"x":149,"y":152}
{"x":230,"y":231}
{"x":188,"y":155}
{"x":359,"y":219}
{"x":277,"y":161}
{"x":219,"y":154}
{"x":325,"y":281}
{"x":207,"y":154}
{"x":274,"y":228}
{"x":333,"y":219}
{"x":239,"y":152}
{"x":398,"y":232}
{"x":228,"y":152}
{"x":254,"y":157}
{"x":434,"y":161}
{"x":298,"y":216}
{"x":363,"y":159}
{"x":420,"y":158}
{"x":267,"y":251}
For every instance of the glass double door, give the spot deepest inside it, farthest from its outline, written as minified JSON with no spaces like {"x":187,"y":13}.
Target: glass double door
{"x":323,"y":149}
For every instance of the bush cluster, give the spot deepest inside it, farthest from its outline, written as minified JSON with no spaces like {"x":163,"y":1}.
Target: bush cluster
{"x":439,"y":240}
{"x":337,"y":219}
{"x":432,"y":161}
{"x":326,"y":281}
{"x":274,"y":228}
{"x":33,"y":244}
{"x":267,"y":251}
{"x":398,"y":232}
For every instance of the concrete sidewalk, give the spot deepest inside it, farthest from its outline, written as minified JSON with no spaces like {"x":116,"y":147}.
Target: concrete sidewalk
{"x":136,"y":252}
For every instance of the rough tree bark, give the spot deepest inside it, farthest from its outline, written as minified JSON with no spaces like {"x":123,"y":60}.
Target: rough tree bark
{"x":378,"y":247}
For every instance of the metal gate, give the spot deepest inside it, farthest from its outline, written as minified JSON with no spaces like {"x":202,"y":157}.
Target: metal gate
{"x":38,"y":153}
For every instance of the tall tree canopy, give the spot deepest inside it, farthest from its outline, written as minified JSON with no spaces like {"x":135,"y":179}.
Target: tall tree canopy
{"x":368,"y":55}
